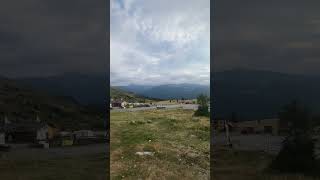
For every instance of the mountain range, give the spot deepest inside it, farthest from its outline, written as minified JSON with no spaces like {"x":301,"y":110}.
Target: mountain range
{"x":85,"y":89}
{"x":262,"y":94}
{"x":248,"y":93}
{"x":91,"y":89}
{"x":169,"y":91}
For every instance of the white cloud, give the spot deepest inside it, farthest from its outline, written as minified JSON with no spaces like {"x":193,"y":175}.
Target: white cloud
{"x":160,"y":42}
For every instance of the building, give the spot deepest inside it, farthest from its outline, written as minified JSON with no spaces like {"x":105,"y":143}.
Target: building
{"x":220,"y":125}
{"x":187,"y":101}
{"x":63,"y":138}
{"x":45,"y":133}
{"x":83,"y":134}
{"x":100,"y":133}
{"x":263,"y":126}
{"x":66,"y":138}
{"x":134,"y":105}
{"x":53,"y":131}
{"x":2,"y":137}
{"x":118,"y":104}
{"x":3,"y":145}
{"x":28,"y":131}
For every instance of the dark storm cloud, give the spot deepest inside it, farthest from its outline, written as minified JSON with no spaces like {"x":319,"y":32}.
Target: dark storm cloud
{"x":44,"y":37}
{"x":271,"y":35}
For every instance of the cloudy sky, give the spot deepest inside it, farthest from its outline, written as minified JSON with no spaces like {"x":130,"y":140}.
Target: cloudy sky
{"x":282,"y":36}
{"x":160,"y":42}
{"x":45,"y":37}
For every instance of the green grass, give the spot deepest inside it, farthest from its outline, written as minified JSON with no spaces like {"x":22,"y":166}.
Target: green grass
{"x":180,"y":143}
{"x":117,"y":93}
{"x":80,"y":168}
{"x":244,"y":165}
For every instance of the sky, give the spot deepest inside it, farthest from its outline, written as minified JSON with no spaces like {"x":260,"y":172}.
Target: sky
{"x":273,"y":35}
{"x":156,"y":42}
{"x":45,"y":38}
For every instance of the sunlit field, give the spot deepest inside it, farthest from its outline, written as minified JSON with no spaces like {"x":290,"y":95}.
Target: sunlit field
{"x":177,"y":143}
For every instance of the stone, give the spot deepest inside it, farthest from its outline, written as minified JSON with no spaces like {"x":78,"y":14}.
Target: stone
{"x":145,"y":153}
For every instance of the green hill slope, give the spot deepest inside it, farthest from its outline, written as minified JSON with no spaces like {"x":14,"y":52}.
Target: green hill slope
{"x":22,"y":104}
{"x":117,"y":93}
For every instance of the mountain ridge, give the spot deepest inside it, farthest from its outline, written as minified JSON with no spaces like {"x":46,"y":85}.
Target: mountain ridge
{"x":85,"y":89}
{"x":21,"y":104}
{"x":170,"y":91}
{"x":117,"y":93}
{"x":262,"y":94}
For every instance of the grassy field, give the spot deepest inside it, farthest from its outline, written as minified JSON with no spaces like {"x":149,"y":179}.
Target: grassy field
{"x":180,"y":143}
{"x":246,"y":165}
{"x":79,"y":168}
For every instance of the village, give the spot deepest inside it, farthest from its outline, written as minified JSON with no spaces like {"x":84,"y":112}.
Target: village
{"x":270,"y":126}
{"x":122,"y":104}
{"x":40,"y":134}
{"x":255,"y":135}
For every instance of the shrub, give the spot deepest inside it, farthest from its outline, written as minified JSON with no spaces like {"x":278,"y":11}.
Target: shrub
{"x":296,"y":156}
{"x":297,"y":153}
{"x":202,"y":111}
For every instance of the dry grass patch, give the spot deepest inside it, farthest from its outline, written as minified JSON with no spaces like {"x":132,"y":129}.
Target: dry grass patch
{"x":246,"y":165}
{"x":166,"y":133}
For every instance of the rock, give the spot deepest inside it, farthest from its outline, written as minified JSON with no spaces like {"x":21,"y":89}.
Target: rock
{"x":145,"y":153}
{"x":192,"y":155}
{"x":132,"y":122}
{"x":149,"y":121}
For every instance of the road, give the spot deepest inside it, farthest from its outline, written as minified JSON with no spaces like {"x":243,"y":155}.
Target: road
{"x":175,"y":106}
{"x":23,"y":152}
{"x":256,"y":142}
{"x":267,"y":143}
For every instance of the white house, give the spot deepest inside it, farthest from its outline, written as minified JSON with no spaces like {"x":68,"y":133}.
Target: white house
{"x":42,"y":133}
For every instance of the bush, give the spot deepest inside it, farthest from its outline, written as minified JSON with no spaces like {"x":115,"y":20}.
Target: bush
{"x":202,"y":111}
{"x":297,"y":153}
{"x":296,"y":156}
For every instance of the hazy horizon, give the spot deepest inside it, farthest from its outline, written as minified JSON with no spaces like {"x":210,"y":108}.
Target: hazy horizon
{"x":133,"y":84}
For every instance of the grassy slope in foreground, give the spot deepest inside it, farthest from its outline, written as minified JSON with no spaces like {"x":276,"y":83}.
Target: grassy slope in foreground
{"x":246,"y":165}
{"x":180,"y":143}
{"x":93,"y":167}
